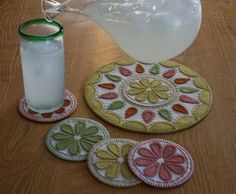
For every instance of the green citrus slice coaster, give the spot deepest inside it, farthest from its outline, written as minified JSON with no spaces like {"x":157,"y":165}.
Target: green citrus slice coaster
{"x":107,"y":161}
{"x":73,"y":138}
{"x":148,"y":98}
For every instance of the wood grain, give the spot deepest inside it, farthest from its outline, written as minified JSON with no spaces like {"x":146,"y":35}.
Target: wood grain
{"x":27,"y":167}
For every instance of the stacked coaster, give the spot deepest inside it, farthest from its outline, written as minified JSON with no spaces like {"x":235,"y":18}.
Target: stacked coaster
{"x":120,"y":162}
{"x":156,"y":162}
{"x":161,"y":163}
{"x":69,"y":106}
{"x":73,"y":138}
{"x":107,"y":161}
{"x":148,"y":98}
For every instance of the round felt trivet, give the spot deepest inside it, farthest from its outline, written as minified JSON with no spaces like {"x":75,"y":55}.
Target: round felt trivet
{"x":107,"y":161}
{"x":69,"y":106}
{"x":73,"y":138}
{"x":151,"y":98}
{"x":161,"y":163}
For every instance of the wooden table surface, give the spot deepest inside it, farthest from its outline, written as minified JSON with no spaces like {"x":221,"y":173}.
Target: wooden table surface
{"x":27,"y":167}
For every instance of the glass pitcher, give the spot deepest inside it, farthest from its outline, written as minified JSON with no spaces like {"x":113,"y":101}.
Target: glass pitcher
{"x":149,"y":31}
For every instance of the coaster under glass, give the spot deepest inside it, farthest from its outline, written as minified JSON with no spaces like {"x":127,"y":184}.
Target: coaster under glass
{"x":69,"y":106}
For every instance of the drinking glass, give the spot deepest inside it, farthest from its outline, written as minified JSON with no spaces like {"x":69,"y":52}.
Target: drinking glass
{"x":42,"y":60}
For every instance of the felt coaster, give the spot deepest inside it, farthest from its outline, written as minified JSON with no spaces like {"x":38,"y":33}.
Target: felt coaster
{"x":151,"y":98}
{"x":161,"y":163}
{"x":107,"y":161}
{"x":73,"y":138}
{"x":69,"y":106}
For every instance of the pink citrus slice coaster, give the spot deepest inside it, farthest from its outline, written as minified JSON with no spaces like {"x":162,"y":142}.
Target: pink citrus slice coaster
{"x":161,"y":163}
{"x":69,"y":106}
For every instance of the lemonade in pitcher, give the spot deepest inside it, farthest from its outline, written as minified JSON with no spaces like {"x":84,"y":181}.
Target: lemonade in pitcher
{"x":148,"y":30}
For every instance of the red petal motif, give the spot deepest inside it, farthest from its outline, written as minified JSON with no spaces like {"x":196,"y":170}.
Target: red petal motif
{"x":175,"y":159}
{"x":156,"y":148}
{"x":176,"y":168}
{"x":148,"y":116}
{"x":109,"y":96}
{"x":146,"y":153}
{"x":185,"y":98}
{"x":60,"y":110}
{"x":31,"y":112}
{"x":151,"y":170}
{"x":125,"y":71}
{"x":130,"y":112}
{"x":180,"y":108}
{"x":67,"y":102}
{"x":109,"y":86}
{"x":164,"y":173}
{"x":168,"y":151}
{"x":144,"y":161}
{"x":169,"y":73}
{"x":139,"y":69}
{"x":47,"y":115}
{"x":181,"y":80}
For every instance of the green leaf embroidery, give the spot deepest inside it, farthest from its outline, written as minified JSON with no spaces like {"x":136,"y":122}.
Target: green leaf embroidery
{"x":116,"y":105}
{"x":200,"y":83}
{"x":165,"y":114}
{"x":155,"y":69}
{"x":185,"y":89}
{"x":113,"y":78}
{"x":61,"y":136}
{"x":86,"y":145}
{"x":74,"y":148}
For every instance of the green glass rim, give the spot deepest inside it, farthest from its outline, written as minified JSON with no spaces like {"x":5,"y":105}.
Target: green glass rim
{"x":39,"y":37}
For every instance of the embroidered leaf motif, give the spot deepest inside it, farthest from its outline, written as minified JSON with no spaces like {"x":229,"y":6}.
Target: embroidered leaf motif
{"x":114,"y":149}
{"x":169,"y":64}
{"x":124,"y":71}
{"x":205,"y":97}
{"x":136,"y":85}
{"x":113,"y":171}
{"x":148,"y":116}
{"x":200,"y":83}
{"x":180,"y":108}
{"x":109,"y":86}
{"x":169,"y":73}
{"x":125,"y":171}
{"x":107,"y":68}
{"x":109,"y":96}
{"x":181,"y":80}
{"x":67,"y":129}
{"x":187,"y":71}
{"x":188,"y":99}
{"x":74,"y":148}
{"x":61,"y":136}
{"x":187,"y":90}
{"x":130,"y":112}
{"x":113,"y":78}
{"x":116,"y":105}
{"x":104,"y":164}
{"x":165,"y":114}
{"x":139,"y":68}
{"x":155,"y":69}
{"x":104,"y":154}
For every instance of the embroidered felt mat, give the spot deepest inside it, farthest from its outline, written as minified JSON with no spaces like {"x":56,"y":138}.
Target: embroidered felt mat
{"x":150,"y":98}
{"x":69,"y":106}
{"x":107,"y":161}
{"x":72,"y":139}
